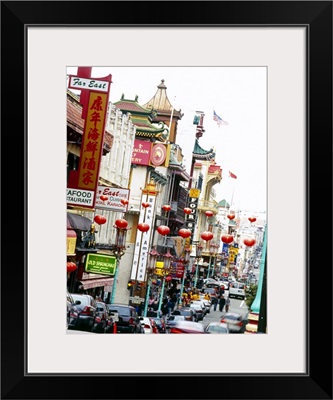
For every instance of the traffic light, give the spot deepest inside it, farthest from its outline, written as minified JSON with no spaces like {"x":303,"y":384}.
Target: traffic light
{"x":129,"y":285}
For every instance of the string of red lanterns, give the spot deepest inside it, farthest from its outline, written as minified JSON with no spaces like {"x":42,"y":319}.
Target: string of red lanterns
{"x":231,"y":216}
{"x":145,"y":205}
{"x":252,"y":219}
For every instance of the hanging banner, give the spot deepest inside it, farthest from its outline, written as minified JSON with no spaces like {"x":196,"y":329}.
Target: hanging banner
{"x":83,"y":183}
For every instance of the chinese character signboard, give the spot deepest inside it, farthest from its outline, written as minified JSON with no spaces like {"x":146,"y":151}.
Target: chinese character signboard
{"x":190,"y":219}
{"x":82,"y":190}
{"x":143,"y":239}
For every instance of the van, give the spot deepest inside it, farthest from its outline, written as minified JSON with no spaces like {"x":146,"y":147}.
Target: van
{"x":237,"y":290}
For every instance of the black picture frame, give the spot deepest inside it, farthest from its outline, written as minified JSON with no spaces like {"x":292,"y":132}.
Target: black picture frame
{"x":316,"y":16}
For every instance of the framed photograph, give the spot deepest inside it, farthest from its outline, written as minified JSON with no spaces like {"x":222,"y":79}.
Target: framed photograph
{"x":293,"y":41}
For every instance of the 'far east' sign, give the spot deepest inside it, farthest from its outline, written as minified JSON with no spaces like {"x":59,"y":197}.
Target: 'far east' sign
{"x":100,"y":264}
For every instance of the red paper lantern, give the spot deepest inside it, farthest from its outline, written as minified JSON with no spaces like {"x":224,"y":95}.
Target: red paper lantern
{"x":252,"y":219}
{"x":143,"y":227}
{"x":124,"y":201}
{"x":166,"y":207}
{"x":231,"y":216}
{"x":184,"y":233}
{"x":209,"y":213}
{"x":71,"y":266}
{"x":227,"y":239}
{"x":207,"y":235}
{"x":145,"y":205}
{"x":187,"y":210}
{"x":121,"y":223}
{"x":163,"y":230}
{"x":103,"y":198}
{"x":249,"y":242}
{"x":99,"y":219}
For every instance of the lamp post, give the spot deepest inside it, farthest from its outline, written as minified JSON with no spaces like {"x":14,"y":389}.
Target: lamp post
{"x":119,"y":246}
{"x":165,"y":271}
{"x":198,"y":252}
{"x":212,"y":251}
{"x":186,"y":260}
{"x":215,"y":249}
{"x":150,"y":272}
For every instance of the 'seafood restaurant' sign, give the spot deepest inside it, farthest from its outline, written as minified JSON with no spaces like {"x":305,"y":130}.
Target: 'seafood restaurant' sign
{"x":82,"y":192}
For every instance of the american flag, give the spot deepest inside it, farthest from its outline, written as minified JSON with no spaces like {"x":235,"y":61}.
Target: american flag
{"x":219,"y":120}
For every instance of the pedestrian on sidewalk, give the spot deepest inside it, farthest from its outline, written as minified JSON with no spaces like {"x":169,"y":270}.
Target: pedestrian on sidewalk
{"x":227,"y":304}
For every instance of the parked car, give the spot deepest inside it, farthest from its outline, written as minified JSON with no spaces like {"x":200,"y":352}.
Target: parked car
{"x":217,"y":328}
{"x":102,"y":318}
{"x":72,"y":312}
{"x":86,"y":306}
{"x":187,"y":327}
{"x":235,"y":322}
{"x":189,"y":313}
{"x":128,"y":318}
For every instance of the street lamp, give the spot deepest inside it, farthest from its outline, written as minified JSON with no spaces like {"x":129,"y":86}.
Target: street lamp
{"x":150,"y":272}
{"x":212,"y":253}
{"x":198,"y":252}
{"x":185,"y":262}
{"x":165,"y":271}
{"x":118,"y":250}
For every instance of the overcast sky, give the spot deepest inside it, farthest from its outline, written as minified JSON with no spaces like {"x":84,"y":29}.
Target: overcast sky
{"x":238,"y":96}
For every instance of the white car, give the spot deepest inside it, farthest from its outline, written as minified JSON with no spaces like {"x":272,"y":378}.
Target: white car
{"x":209,"y":280}
{"x":202,"y":304}
{"x":207,"y":304}
{"x":237,"y":289}
{"x":146,"y":324}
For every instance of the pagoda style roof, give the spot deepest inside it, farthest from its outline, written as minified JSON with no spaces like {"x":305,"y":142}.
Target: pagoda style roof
{"x":161,"y":103}
{"x":201,"y":154}
{"x":142,"y":118}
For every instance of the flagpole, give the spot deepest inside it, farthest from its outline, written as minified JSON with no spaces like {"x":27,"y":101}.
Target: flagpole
{"x":232,"y":197}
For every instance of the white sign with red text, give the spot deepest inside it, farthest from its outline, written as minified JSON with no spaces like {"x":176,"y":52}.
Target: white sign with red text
{"x":109,"y":198}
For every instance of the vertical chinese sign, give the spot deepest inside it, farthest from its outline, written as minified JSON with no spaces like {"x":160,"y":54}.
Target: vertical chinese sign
{"x":84,"y":182}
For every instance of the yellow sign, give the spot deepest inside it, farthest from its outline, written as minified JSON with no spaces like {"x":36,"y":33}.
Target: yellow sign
{"x":159,"y":270}
{"x":194,"y":193}
{"x":71,"y":244}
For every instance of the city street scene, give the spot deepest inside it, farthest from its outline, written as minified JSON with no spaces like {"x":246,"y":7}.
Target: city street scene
{"x":166,"y":200}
